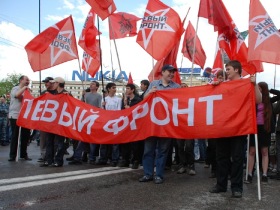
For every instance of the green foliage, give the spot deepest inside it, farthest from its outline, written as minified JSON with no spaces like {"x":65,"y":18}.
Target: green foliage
{"x":8,"y":83}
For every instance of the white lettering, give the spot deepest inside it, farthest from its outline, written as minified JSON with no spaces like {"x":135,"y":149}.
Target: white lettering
{"x":113,"y":125}
{"x":152,"y":112}
{"x":210,"y":106}
{"x":189,"y":111}
{"x":136,"y":115}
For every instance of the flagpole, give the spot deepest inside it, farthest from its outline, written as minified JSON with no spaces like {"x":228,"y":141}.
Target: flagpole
{"x":274,"y":76}
{"x":181,"y":65}
{"x":40,"y":77}
{"x":83,"y":85}
{"x":194,"y":50}
{"x":101,"y":66}
{"x":116,"y":50}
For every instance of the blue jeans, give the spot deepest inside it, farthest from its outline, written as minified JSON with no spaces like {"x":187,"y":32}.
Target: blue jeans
{"x":150,"y":155}
{"x":202,"y":148}
{"x":80,"y":149}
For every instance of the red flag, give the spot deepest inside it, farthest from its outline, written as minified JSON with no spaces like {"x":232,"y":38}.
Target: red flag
{"x":130,"y":80}
{"x":160,"y":30}
{"x":123,"y":25}
{"x":264,"y":37}
{"x":218,"y":63}
{"x":218,"y":17}
{"x":103,"y":8}
{"x":91,"y":64}
{"x":230,"y":38}
{"x":55,"y":45}
{"x":188,"y":46}
{"x":88,"y":35}
{"x":171,"y":58}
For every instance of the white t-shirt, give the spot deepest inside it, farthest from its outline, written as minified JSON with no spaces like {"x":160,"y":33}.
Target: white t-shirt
{"x":113,"y":103}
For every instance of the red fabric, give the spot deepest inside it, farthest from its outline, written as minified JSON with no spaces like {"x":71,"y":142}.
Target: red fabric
{"x":92,"y":64}
{"x":218,"y":63}
{"x":165,"y":113}
{"x":55,"y":45}
{"x":264,"y":37}
{"x":217,"y":16}
{"x":88,"y":35}
{"x":188,"y":46}
{"x":123,"y":25}
{"x":130,"y":80}
{"x":103,"y":8}
{"x":232,"y":41}
{"x":160,"y":30}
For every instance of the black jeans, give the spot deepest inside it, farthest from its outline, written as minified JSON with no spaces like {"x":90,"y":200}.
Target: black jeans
{"x":186,"y":152}
{"x":24,"y":138}
{"x":230,"y":161}
{"x":55,"y":149}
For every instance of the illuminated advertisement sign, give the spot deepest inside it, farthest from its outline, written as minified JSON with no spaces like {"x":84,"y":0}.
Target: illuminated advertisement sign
{"x":107,"y":75}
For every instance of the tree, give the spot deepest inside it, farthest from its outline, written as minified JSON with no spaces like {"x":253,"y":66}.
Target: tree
{"x":8,"y":83}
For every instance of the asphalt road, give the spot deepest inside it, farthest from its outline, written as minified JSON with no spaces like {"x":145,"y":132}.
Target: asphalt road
{"x":25,"y":185}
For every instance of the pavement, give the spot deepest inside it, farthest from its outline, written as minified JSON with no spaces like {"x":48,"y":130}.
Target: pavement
{"x":25,"y":185}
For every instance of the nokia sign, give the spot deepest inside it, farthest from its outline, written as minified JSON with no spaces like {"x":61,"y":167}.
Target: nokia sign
{"x":107,"y":75}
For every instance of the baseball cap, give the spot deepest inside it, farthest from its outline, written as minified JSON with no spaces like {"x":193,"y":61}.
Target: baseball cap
{"x":58,"y":79}
{"x":168,"y":67}
{"x":47,"y":79}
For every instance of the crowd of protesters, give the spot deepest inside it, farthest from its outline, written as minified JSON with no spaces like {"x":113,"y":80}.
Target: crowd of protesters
{"x":226,"y":156}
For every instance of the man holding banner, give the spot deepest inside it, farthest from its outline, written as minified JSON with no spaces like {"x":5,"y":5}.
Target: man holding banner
{"x":230,"y":149}
{"x":152,"y":143}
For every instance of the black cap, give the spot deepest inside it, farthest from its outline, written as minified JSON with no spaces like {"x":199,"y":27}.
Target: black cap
{"x":168,"y":67}
{"x":47,"y":79}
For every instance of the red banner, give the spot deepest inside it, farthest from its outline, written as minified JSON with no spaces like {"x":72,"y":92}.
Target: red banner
{"x":196,"y":112}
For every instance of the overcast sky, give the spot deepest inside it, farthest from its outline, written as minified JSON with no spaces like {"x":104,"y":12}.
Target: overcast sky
{"x":19,"y":23}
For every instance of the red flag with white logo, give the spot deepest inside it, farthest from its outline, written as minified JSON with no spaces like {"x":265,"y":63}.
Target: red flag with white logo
{"x":160,"y":30}
{"x":230,"y":39}
{"x":264,"y":37}
{"x":103,"y":8}
{"x":188,"y":47}
{"x":55,"y":45}
{"x":123,"y":25}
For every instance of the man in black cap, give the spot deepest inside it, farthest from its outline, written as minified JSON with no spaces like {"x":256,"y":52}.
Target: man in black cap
{"x":152,"y":143}
{"x":43,"y":135}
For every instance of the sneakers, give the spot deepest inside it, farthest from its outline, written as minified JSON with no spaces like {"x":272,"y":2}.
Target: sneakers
{"x":191,"y":170}
{"x":182,"y":170}
{"x":249,"y":179}
{"x":236,"y":194}
{"x":146,"y":178}
{"x":57,"y":165}
{"x":40,"y":160}
{"x":135,"y":165}
{"x":45,"y":164}
{"x":158,"y":180}
{"x":264,"y":179}
{"x":75,"y":162}
{"x":11,"y":159}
